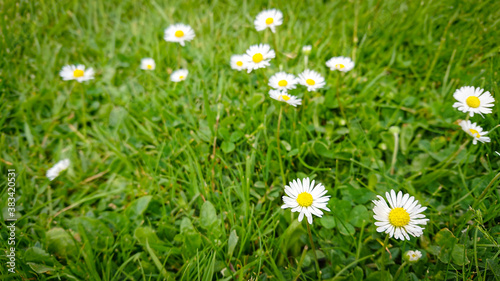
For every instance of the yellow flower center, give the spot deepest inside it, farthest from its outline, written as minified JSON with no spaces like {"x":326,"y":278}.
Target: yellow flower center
{"x":473,"y":102}
{"x":239,"y":63}
{"x":339,"y":66}
{"x":150,"y":66}
{"x":77,"y":73}
{"x":305,"y":199}
{"x":257,"y":58}
{"x":181,"y":77}
{"x":285,"y":98}
{"x":269,"y":21}
{"x":475,"y":133}
{"x":179,"y":33}
{"x":282,"y":83}
{"x":399,"y":217}
{"x":413,"y":256}
{"x":310,"y":82}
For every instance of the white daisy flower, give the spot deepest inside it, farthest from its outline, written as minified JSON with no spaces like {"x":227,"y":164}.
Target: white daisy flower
{"x":401,"y":218}
{"x":268,"y":18}
{"x":306,"y":198}
{"x":59,"y":167}
{"x":258,"y":56}
{"x":413,"y":256}
{"x":148,"y":64}
{"x":179,"y":75}
{"x":283,"y":81}
{"x":238,"y":62}
{"x":179,"y":33}
{"x":312,"y":80}
{"x":307,"y":49}
{"x":281,"y":95}
{"x":76,"y":72}
{"x":473,"y":100}
{"x":343,"y":64}
{"x":475,"y":131}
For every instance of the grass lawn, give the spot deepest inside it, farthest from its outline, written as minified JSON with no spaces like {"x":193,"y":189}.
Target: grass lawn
{"x":184,"y":181}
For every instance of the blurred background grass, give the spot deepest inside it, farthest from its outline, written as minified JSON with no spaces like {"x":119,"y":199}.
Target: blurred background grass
{"x":133,"y":204}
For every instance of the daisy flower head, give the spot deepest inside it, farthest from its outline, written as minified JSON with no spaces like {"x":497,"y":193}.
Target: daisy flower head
{"x":307,"y":49}
{"x":179,"y":75}
{"x":475,"y":131}
{"x":401,"y":218}
{"x":268,"y":18}
{"x":343,"y":64}
{"x":59,"y":167}
{"x":76,"y":72}
{"x":306,"y":198}
{"x":281,"y":95}
{"x":179,"y":33}
{"x":413,"y":256}
{"x":258,"y":56}
{"x":473,"y":100}
{"x":148,"y":64}
{"x":283,"y":81}
{"x":312,"y":80}
{"x":238,"y":62}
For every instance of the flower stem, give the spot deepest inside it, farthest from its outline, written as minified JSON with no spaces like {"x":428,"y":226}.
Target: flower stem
{"x":275,"y":45}
{"x":278,"y":143}
{"x":399,"y":271}
{"x":395,"y":152}
{"x":338,"y":96}
{"x":386,"y":241}
{"x":299,"y":265}
{"x":483,"y":194}
{"x":314,"y":251}
{"x":179,"y":57}
{"x":84,"y":121}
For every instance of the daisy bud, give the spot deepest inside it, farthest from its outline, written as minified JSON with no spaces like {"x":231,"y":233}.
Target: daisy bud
{"x":412,"y":256}
{"x":306,"y":49}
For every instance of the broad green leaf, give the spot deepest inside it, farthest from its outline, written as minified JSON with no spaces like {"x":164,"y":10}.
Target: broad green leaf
{"x":358,"y":215}
{"x":322,"y":150}
{"x":208,"y":215}
{"x":143,"y":234}
{"x":40,"y":268}
{"x":293,"y":152}
{"x":138,"y":207}
{"x":379,"y":276}
{"x":328,"y":222}
{"x":60,"y":243}
{"x":192,"y":243}
{"x":186,"y":225}
{"x":98,"y":233}
{"x":406,"y":136}
{"x":449,"y":249}
{"x":227,"y":146}
{"x":340,"y":208}
{"x":459,"y":255}
{"x":236,"y":136}
{"x":231,"y":244}
{"x":358,"y":195}
{"x":117,"y":221}
{"x":291,"y":235}
{"x":345,"y":228}
{"x":494,"y":266}
{"x":358,"y":273}
{"x":287,"y":146}
{"x":445,"y":238}
{"x":38,"y":255}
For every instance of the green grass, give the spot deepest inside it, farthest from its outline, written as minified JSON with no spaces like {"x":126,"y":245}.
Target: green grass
{"x":134,"y":203}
